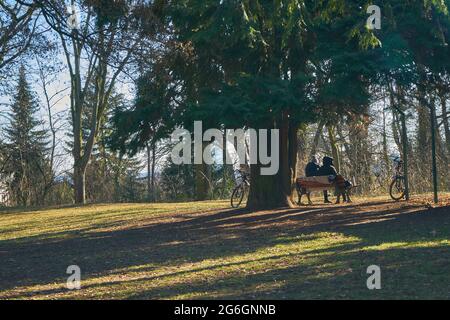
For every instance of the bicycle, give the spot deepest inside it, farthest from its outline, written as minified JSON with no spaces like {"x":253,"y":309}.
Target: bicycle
{"x":241,"y":189}
{"x":397,"y":189}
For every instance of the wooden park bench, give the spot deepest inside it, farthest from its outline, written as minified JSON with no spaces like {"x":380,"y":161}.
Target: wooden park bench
{"x":307,"y":185}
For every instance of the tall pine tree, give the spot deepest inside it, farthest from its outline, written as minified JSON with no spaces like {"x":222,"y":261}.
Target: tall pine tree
{"x":27,"y":166}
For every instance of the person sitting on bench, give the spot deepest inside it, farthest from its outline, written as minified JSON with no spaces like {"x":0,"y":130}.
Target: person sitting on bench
{"x":327,"y":169}
{"x":312,"y":168}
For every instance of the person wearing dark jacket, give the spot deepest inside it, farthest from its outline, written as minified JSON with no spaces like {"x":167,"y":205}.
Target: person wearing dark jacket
{"x":312,"y":168}
{"x":327,"y":169}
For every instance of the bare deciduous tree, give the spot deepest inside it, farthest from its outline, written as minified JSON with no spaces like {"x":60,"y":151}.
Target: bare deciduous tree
{"x":107,"y":41}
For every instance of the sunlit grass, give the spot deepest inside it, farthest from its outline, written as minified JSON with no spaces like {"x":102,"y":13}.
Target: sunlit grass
{"x":150,"y":276}
{"x":58,"y":223}
{"x":204,"y":250}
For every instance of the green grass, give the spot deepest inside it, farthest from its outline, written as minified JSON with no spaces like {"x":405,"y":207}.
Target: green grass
{"x":205,"y":250}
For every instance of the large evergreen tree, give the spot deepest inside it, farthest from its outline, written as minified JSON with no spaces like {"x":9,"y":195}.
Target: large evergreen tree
{"x":27,"y":164}
{"x":280,"y":64}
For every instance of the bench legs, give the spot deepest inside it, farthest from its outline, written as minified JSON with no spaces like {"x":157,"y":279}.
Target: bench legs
{"x":301,"y":192}
{"x":345,"y":196}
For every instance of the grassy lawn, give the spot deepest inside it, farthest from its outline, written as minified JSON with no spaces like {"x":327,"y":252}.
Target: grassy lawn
{"x":205,"y":250}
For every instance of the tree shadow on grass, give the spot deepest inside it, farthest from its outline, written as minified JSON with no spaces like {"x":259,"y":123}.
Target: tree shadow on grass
{"x":405,"y":275}
{"x":335,"y":272}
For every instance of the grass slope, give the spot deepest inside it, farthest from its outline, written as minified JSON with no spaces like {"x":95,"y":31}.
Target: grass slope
{"x":205,"y":250}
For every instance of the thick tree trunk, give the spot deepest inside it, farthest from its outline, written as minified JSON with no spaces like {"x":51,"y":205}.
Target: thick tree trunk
{"x":81,"y":162}
{"x":80,"y":165}
{"x":264,"y":190}
{"x":78,"y":168}
{"x":80,"y":185}
{"x":79,"y":174}
{"x":268,"y":192}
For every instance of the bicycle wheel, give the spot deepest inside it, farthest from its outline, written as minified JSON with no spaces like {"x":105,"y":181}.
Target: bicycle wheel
{"x":397,"y":189}
{"x":237,"y":196}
